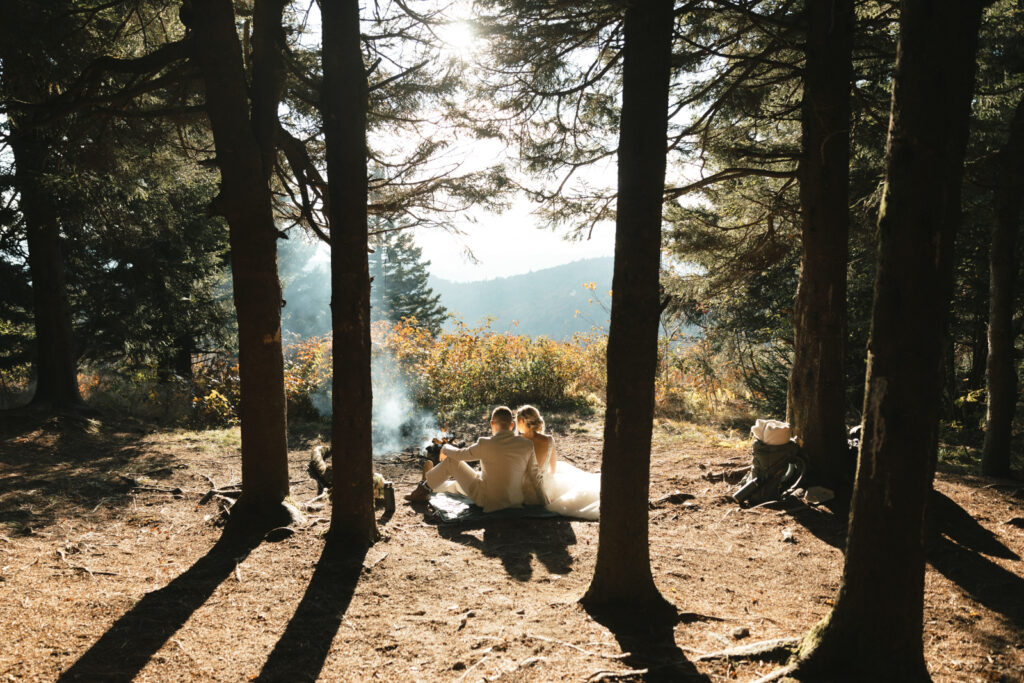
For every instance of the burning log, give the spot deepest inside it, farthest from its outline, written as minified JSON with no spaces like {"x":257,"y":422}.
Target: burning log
{"x":433,"y":448}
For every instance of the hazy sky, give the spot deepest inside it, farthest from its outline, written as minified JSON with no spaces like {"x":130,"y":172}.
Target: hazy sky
{"x":506,"y":244}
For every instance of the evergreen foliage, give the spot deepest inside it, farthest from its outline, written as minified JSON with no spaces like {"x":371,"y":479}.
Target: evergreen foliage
{"x":399,"y":286}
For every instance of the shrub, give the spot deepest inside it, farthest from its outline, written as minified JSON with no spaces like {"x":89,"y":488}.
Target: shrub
{"x":449,"y":375}
{"x":475,"y":367}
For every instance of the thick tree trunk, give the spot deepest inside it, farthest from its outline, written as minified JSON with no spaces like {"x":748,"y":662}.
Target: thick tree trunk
{"x":817,"y":391}
{"x":344,"y":104}
{"x":245,"y":201}
{"x":56,"y":365}
{"x":874,"y":632}
{"x":622,"y":578}
{"x":1001,"y":375}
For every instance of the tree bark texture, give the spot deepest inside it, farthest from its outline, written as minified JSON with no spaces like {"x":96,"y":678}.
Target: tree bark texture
{"x":622,"y":577}
{"x":344,"y":102}
{"x":56,"y":362}
{"x":874,"y":632}
{"x":245,"y":201}
{"x":1001,"y":373}
{"x":817,"y":391}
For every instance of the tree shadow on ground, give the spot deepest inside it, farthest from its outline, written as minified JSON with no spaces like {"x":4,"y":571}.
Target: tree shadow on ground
{"x":956,"y":548}
{"x":127,"y":646}
{"x":300,"y":653}
{"x":55,"y":463}
{"x":826,"y":522}
{"x":517,"y":542}
{"x":651,"y":645}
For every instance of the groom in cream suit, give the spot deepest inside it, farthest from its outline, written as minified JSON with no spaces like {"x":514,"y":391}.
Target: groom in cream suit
{"x":505,"y":459}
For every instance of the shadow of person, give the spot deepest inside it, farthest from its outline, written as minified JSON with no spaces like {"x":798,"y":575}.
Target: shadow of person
{"x":301,"y":651}
{"x":127,"y":646}
{"x":956,"y":548}
{"x":517,"y":542}
{"x":651,"y":645}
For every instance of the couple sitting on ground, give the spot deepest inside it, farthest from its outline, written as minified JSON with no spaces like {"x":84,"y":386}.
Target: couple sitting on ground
{"x":515,"y":469}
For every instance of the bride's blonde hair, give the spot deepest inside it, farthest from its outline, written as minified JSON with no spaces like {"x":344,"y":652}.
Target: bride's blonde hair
{"x":531,"y":416}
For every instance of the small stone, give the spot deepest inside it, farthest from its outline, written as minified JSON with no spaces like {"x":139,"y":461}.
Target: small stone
{"x":787,"y":536}
{"x":819,"y":494}
{"x":740,"y":632}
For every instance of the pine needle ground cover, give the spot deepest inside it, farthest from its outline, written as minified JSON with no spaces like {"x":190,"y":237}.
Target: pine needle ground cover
{"x":106,"y":528}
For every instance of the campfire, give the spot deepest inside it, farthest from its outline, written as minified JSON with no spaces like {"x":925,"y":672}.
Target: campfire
{"x":434,"y":446}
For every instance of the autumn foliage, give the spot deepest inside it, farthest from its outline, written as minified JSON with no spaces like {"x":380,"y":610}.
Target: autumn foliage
{"x":457,"y":372}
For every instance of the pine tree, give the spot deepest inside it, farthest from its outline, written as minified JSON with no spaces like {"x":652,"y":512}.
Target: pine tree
{"x":399,"y":288}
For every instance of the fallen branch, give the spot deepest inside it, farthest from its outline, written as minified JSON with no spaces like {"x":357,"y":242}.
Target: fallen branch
{"x":226,"y":492}
{"x":81,"y":568}
{"x":478,"y":662}
{"x":765,"y":649}
{"x":142,"y":486}
{"x":91,"y":572}
{"x":731,"y":476}
{"x":676,"y":497}
{"x":613,"y":675}
{"x":313,"y":501}
{"x":777,"y":674}
{"x":577,"y":647}
{"x":526,"y":663}
{"x":691,"y":617}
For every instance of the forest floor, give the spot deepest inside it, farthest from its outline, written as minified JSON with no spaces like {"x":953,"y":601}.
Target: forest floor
{"x":109,"y":571}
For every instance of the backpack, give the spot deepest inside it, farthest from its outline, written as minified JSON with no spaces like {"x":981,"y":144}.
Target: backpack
{"x":775,"y":472}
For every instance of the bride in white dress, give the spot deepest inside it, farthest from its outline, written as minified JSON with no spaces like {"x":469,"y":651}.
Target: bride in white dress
{"x":569,"y":490}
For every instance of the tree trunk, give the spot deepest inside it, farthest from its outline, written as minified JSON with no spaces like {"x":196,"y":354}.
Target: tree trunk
{"x":622,"y":577}
{"x":979,"y":340}
{"x":971,"y":411}
{"x":1001,"y":375}
{"x":874,"y":632}
{"x":56,"y":364}
{"x":817,"y":391}
{"x":344,"y":103}
{"x":245,"y":201}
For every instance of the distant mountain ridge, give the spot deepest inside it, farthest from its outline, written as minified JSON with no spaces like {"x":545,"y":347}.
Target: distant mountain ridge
{"x":543,"y":303}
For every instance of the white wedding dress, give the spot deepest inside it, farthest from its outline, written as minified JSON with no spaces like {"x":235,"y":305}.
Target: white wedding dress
{"x":571,"y":491}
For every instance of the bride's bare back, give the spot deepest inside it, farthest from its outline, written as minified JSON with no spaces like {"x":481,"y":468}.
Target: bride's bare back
{"x":544,"y":449}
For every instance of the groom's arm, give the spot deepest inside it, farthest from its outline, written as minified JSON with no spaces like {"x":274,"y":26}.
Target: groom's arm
{"x":467,"y":453}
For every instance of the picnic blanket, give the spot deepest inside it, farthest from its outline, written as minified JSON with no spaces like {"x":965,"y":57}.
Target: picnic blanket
{"x":452,"y":508}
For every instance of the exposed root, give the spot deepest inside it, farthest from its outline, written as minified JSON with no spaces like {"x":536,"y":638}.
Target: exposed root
{"x":776,"y":649}
{"x":615,"y":675}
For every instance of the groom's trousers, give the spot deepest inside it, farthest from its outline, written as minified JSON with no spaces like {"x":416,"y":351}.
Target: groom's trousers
{"x":468,"y":477}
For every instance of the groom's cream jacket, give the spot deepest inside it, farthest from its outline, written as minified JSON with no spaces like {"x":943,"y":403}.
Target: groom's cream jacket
{"x":505,"y":459}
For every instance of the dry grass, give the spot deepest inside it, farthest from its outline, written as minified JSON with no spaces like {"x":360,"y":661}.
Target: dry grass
{"x":105,"y":579}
